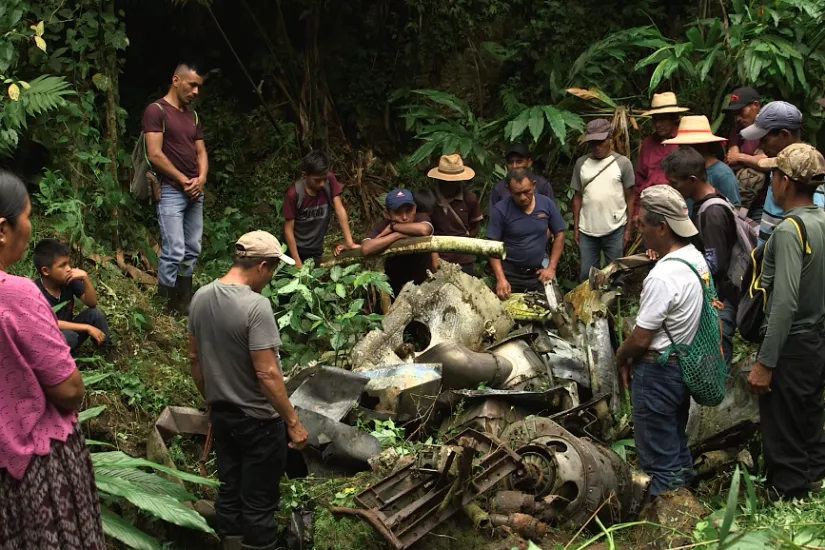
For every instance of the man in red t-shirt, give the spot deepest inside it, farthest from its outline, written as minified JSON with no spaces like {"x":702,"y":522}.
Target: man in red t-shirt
{"x":307,"y":210}
{"x":174,"y":145}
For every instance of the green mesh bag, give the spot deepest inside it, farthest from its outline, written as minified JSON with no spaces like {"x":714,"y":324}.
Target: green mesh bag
{"x":702,"y":362}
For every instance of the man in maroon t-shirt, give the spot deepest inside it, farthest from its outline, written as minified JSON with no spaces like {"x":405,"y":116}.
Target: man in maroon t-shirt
{"x":174,"y":145}
{"x":744,"y":154}
{"x":307,"y":210}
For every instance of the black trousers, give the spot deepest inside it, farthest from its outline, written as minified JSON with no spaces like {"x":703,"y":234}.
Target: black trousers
{"x":91,"y":316}
{"x":521,"y":279}
{"x":250,"y":456}
{"x":792,"y":416}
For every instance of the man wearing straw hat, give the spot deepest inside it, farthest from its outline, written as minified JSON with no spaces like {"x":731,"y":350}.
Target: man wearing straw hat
{"x":458,"y":210}
{"x":695,"y":132}
{"x":603,"y":204}
{"x":664,"y":109}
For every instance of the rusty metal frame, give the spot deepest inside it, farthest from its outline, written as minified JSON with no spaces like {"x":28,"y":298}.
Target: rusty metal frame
{"x":407,"y":505}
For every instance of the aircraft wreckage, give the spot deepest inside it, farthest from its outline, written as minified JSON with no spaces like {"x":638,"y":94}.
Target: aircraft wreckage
{"x":532,"y":404}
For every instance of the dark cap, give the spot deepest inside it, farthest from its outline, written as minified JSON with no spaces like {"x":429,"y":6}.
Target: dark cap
{"x":742,"y":97}
{"x":517,"y":149}
{"x":776,"y":115}
{"x":398,"y":198}
{"x":597,"y":130}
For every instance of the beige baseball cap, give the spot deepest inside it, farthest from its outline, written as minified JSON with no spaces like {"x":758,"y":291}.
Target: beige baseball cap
{"x":801,"y":162}
{"x":668,"y":202}
{"x":260,"y":244}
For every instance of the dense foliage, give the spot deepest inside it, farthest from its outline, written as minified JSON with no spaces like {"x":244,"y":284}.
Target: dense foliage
{"x":385,"y":86}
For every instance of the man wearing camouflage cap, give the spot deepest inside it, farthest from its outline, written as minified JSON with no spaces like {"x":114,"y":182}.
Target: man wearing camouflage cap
{"x":672,"y":297}
{"x":778,"y":125}
{"x":789,"y":373}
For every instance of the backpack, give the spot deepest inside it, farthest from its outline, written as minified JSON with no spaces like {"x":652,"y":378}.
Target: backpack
{"x":143,"y":175}
{"x":702,"y":362}
{"x":301,"y":193}
{"x":747,"y":232}
{"x":753,"y":299}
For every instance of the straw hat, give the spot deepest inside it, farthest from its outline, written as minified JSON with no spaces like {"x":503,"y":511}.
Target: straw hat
{"x":664,"y":103}
{"x":451,"y":168}
{"x":693,"y":130}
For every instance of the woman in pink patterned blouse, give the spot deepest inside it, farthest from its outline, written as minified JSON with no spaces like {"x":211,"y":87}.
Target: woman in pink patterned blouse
{"x":48,"y":498}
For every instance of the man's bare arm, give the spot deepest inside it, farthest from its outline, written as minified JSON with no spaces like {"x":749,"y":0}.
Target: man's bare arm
{"x":195,"y":361}
{"x":291,"y":243}
{"x":203,"y":160}
{"x":635,"y":346}
{"x":377,"y":245}
{"x":413,"y":229}
{"x":159,"y":161}
{"x":272,"y":383}
{"x":343,"y":220}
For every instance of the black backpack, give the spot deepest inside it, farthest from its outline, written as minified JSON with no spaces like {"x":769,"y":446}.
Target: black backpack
{"x":753,"y":298}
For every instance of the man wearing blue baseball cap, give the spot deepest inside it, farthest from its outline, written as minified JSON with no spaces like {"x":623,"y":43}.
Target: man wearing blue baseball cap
{"x":778,"y":125}
{"x":402,"y":220}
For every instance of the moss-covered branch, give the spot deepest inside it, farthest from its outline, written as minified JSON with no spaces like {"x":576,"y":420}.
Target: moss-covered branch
{"x":416,"y":245}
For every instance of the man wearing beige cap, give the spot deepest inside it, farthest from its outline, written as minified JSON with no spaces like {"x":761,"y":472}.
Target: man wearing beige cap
{"x":603,"y":200}
{"x":789,"y":373}
{"x":664,"y":109}
{"x":669,"y":312}
{"x":233,"y":346}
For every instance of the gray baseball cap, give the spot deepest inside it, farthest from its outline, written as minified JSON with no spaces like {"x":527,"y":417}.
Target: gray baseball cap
{"x":669,"y":203}
{"x":773,"y":116}
{"x":597,"y":130}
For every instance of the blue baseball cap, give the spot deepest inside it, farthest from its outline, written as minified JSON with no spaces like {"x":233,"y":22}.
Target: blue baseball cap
{"x":773,"y":116}
{"x":398,"y":198}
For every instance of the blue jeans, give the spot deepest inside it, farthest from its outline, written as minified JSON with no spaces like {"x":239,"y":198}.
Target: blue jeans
{"x":728,"y":318}
{"x":661,"y":402}
{"x":181,"y":229}
{"x":591,"y":249}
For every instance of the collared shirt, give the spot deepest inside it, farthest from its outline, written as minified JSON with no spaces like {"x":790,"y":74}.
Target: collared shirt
{"x":796,"y":302}
{"x":525,"y":235}
{"x":467,"y":210}
{"x":500,"y":192}
{"x":648,"y":166}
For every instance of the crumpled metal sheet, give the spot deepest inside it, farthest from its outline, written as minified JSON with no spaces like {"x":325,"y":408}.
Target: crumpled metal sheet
{"x":454,"y":306}
{"x":335,"y":448}
{"x":329,"y":391}
{"x":171,"y":422}
{"x":406,"y":390}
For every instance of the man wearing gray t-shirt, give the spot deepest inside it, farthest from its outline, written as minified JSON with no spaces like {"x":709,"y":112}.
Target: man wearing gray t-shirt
{"x":233,"y":346}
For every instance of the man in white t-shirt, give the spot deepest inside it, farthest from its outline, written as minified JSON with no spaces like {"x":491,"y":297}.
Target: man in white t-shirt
{"x":671,"y":302}
{"x":603,"y":203}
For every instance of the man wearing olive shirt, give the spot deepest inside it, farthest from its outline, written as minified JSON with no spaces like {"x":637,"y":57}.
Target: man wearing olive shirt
{"x":789,"y":373}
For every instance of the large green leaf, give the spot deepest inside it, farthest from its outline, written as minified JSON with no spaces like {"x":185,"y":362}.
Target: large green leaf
{"x":88,"y":414}
{"x":121,"y":459}
{"x":118,"y":528}
{"x":290,"y":287}
{"x":730,"y":511}
{"x":536,"y":123}
{"x":424,"y":151}
{"x":160,"y":506}
{"x":517,"y":126}
{"x":149,"y":482}
{"x":447,"y":100}
{"x":662,"y":72}
{"x":92,"y":378}
{"x":556,"y":120}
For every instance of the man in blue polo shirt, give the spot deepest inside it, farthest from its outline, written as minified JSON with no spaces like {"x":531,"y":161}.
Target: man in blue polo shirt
{"x":778,"y":125}
{"x":517,"y":155}
{"x":523,"y":222}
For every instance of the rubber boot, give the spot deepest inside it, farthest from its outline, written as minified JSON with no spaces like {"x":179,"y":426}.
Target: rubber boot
{"x":169,"y":296}
{"x":232,"y":543}
{"x":183,"y":286}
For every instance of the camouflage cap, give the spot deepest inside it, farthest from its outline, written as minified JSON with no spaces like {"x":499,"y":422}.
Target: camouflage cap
{"x":668,"y":202}
{"x":801,"y":162}
{"x":260,"y":244}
